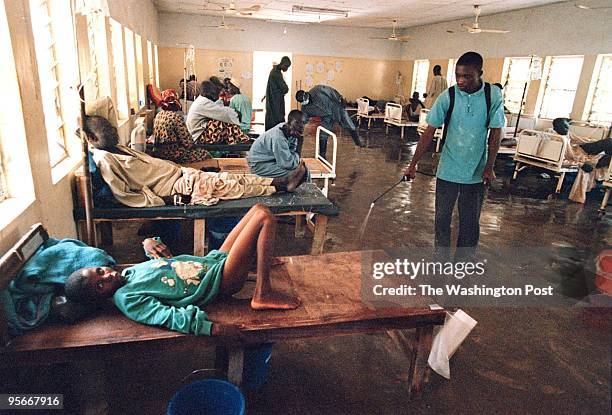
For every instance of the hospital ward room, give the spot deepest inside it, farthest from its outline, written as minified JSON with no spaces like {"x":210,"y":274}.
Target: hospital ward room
{"x":306,"y":207}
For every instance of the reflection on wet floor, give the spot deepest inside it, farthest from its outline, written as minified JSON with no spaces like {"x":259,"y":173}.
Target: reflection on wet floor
{"x":517,"y":360}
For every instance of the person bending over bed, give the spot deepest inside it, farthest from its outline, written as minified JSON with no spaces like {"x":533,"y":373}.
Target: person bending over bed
{"x":170,"y":291}
{"x":588,"y":153}
{"x":139,"y":180}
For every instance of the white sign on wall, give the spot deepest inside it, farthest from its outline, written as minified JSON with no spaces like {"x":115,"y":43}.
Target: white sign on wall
{"x":225,"y":68}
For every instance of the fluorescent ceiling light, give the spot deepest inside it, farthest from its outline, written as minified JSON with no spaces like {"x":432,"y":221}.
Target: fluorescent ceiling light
{"x":319,"y":11}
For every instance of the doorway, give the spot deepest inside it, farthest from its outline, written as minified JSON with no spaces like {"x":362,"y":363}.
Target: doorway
{"x":262,"y":64}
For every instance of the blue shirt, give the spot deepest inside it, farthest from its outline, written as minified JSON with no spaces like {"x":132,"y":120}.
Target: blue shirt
{"x":241,"y":104}
{"x":464,"y":154}
{"x":273,"y":154}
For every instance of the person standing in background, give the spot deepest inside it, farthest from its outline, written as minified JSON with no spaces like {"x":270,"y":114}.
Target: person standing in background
{"x":437,"y":85}
{"x":275,"y":94}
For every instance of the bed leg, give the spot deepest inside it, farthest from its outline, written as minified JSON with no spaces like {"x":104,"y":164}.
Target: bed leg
{"x":418,"y":361}
{"x":387,"y":130}
{"x":299,"y":226}
{"x":604,"y":202}
{"x":319,"y":235}
{"x":402,"y":134}
{"x":516,"y":170}
{"x":235,"y":364}
{"x":560,"y":182}
{"x":105,"y":230}
{"x":199,"y":237}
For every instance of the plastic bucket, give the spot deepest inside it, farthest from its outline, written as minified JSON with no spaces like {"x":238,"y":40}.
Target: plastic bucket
{"x":256,"y":365}
{"x":207,"y":397}
{"x":219,"y":228}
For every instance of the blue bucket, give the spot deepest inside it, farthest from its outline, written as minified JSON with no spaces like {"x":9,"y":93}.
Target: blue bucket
{"x":207,"y":397}
{"x":256,"y":364}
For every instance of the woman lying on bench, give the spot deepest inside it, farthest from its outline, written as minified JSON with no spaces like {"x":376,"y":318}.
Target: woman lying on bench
{"x":139,"y":180}
{"x":169,"y":291}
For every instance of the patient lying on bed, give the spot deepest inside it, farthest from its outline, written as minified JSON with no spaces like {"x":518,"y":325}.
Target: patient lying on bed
{"x":139,"y":180}
{"x":169,"y":291}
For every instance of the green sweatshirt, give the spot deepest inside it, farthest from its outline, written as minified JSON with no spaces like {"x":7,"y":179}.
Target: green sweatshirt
{"x":169,"y":292}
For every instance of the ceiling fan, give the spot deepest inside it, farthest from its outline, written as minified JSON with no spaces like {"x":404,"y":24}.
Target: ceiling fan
{"x":583,"y":6}
{"x":393,"y":36}
{"x":248,"y":11}
{"x":475,"y":28}
{"x":226,"y":26}
{"x":231,"y":9}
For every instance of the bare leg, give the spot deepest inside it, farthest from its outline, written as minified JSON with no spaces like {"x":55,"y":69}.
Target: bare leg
{"x":255,"y":238}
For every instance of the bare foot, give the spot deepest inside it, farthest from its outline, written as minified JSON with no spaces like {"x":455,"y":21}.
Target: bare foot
{"x":274,"y":300}
{"x":295,"y":180}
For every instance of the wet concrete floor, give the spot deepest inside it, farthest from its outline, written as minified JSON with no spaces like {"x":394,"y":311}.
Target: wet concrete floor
{"x":516,"y":361}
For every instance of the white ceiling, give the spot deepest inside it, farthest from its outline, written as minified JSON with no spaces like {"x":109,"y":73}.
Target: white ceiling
{"x":362,"y":13}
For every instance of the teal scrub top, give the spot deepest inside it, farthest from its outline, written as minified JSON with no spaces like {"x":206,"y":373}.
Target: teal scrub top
{"x":464,"y":154}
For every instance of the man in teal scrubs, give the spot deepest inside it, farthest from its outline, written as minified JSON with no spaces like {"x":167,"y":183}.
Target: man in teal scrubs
{"x":468,"y":155}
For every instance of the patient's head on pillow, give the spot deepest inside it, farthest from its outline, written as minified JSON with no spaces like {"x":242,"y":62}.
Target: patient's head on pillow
{"x":561,"y":125}
{"x":92,"y":285}
{"x":100,"y":133}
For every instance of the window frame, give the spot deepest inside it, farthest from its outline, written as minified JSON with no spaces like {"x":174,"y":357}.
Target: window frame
{"x":119,"y":69}
{"x":421,"y":66}
{"x":543,"y":98}
{"x":514,"y":88}
{"x":595,"y":85}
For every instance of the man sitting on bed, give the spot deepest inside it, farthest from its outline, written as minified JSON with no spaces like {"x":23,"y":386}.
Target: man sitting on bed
{"x":210,"y":122}
{"x":276,"y":152}
{"x":139,"y":180}
{"x":169,"y":291}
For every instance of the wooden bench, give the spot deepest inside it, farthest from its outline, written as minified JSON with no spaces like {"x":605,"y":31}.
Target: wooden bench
{"x":331,"y":306}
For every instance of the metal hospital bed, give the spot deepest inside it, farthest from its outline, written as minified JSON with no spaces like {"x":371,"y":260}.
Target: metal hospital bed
{"x":607,"y":183}
{"x":363,"y":111}
{"x":547,"y":150}
{"x":422,"y":126}
{"x":393,"y":116}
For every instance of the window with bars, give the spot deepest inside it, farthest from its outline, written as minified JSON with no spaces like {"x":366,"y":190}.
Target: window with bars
{"x":516,"y":75}
{"x":130,"y":60}
{"x":47,"y":39}
{"x":139,"y":70}
{"x":450,"y":73}
{"x":600,"y":105}
{"x":3,"y":192}
{"x":150,"y":61}
{"x":99,"y":82}
{"x":156,"y":66}
{"x":419,"y":77}
{"x":562,"y":74}
{"x":119,"y":68}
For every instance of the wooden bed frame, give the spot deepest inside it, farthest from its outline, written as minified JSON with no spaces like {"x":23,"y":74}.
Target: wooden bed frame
{"x":331,"y":306}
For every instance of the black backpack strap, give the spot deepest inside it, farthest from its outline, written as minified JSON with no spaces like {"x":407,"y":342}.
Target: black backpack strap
{"x":449,"y":113}
{"x":487,"y":92}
